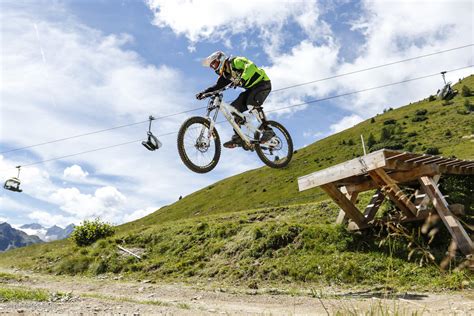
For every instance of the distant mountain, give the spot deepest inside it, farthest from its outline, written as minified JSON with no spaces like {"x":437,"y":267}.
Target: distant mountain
{"x":32,"y":226}
{"x":47,"y":234}
{"x":56,"y":232}
{"x":13,"y":238}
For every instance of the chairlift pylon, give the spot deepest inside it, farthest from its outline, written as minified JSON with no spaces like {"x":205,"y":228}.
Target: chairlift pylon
{"x":152,"y":143}
{"x":13,"y":184}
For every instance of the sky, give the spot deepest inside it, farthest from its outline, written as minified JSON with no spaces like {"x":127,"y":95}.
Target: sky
{"x":74,"y":67}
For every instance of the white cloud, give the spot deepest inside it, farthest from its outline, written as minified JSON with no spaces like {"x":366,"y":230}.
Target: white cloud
{"x":139,"y":214}
{"x":106,"y":202}
{"x":47,"y":219}
{"x":75,"y":172}
{"x":217,"y":20}
{"x":345,"y":123}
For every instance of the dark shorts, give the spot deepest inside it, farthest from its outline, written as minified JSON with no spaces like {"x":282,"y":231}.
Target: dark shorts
{"x":253,"y":96}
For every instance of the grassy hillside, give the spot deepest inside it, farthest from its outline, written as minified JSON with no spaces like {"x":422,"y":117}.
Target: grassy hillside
{"x":258,"y":230}
{"x":270,"y":187}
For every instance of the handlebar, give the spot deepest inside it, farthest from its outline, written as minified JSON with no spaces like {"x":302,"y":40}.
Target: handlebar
{"x":216,"y":92}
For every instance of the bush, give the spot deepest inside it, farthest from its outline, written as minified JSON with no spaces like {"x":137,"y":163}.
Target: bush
{"x":412,"y":134}
{"x":432,"y":98}
{"x":389,"y":122}
{"x":421,"y":112}
{"x":385,"y":134}
{"x":90,"y":231}
{"x":465,"y":91}
{"x":433,"y":151}
{"x":371,"y":140}
{"x":469,"y":107}
{"x":350,"y":142}
{"x":419,"y":118}
{"x":372,"y":120}
{"x":448,"y":133}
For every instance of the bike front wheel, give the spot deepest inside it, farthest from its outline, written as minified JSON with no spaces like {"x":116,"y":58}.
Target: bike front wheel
{"x":278,"y":151}
{"x":198,"y":150}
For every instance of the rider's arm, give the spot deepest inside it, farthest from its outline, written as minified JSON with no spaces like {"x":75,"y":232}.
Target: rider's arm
{"x":221,"y":83}
{"x":247,"y":67}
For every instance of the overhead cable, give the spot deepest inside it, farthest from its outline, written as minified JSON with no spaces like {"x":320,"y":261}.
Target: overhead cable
{"x":275,"y":90}
{"x":274,"y":110}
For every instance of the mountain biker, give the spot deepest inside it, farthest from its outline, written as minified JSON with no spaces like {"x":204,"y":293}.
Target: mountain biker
{"x":240,"y":72}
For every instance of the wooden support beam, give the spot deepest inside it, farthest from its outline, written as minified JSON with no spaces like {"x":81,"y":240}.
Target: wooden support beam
{"x":460,"y":236}
{"x":422,"y":204}
{"x":344,"y":203}
{"x":352,"y":196}
{"x":374,"y":205}
{"x":391,"y":189}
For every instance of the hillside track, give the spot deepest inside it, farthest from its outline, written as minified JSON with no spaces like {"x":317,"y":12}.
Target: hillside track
{"x":106,"y":296}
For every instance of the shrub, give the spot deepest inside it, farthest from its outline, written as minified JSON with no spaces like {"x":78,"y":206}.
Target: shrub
{"x":419,"y":118}
{"x":350,"y":142}
{"x":372,"y":120}
{"x":446,"y":103}
{"x":389,"y":122}
{"x":432,"y":98}
{"x":469,"y":107}
{"x":421,"y":112}
{"x":448,"y":133}
{"x":385,"y":134}
{"x":412,"y":134}
{"x":433,"y":151}
{"x":90,"y":231}
{"x":371,"y":140}
{"x":465,"y":91}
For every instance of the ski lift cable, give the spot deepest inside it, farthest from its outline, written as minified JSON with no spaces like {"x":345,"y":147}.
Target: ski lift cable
{"x":200,"y":108}
{"x":374,"y":67}
{"x":274,"y":110}
{"x":367,"y":89}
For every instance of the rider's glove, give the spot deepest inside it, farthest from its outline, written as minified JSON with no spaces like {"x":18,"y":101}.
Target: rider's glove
{"x":200,"y":96}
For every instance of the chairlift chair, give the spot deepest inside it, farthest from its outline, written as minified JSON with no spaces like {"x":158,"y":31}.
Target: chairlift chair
{"x":446,"y":93}
{"x":152,"y":143}
{"x":13,"y":184}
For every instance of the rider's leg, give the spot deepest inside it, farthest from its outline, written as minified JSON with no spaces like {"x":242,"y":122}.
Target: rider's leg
{"x":240,"y":105}
{"x":257,"y":96}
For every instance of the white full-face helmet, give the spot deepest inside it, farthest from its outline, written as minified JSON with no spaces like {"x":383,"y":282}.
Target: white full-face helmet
{"x":215,"y":61}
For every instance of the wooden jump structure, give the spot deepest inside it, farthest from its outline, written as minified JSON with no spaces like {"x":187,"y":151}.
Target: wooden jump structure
{"x":384,"y":171}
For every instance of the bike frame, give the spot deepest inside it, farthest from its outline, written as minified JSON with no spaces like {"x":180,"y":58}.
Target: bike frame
{"x":216,"y":103}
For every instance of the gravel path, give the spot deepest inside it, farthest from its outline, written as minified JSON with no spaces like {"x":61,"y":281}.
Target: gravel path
{"x":114,"y":297}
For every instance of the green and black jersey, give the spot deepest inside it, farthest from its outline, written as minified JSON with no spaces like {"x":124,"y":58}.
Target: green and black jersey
{"x":240,"y":68}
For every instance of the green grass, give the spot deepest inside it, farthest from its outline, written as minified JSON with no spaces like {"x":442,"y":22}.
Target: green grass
{"x":8,"y":294}
{"x":256,"y":230}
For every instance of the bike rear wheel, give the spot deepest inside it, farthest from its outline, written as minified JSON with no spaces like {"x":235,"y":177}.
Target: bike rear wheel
{"x":197,"y":150}
{"x":277,"y":152}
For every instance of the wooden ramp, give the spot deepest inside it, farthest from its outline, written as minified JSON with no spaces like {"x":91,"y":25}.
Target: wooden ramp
{"x":384,"y":171}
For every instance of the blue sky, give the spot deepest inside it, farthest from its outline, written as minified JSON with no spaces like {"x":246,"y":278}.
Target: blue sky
{"x":72,"y":67}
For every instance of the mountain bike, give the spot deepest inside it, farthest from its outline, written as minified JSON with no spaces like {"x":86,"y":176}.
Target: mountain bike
{"x":199,"y":145}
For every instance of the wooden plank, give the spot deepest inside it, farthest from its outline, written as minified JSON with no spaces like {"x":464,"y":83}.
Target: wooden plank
{"x":437,"y":160}
{"x":425,"y":159}
{"x":460,"y":236}
{"x":398,"y":156}
{"x":352,"y":196}
{"x":391,"y":189}
{"x":344,"y":203}
{"x":344,"y":170}
{"x":398,"y":177}
{"x":448,"y":162}
{"x":416,"y":158}
{"x":374,"y":205}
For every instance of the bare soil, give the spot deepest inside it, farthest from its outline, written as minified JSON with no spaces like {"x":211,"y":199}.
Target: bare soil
{"x":106,"y":296}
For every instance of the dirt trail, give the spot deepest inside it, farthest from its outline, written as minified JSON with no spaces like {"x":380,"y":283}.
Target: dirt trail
{"x":106,"y":296}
